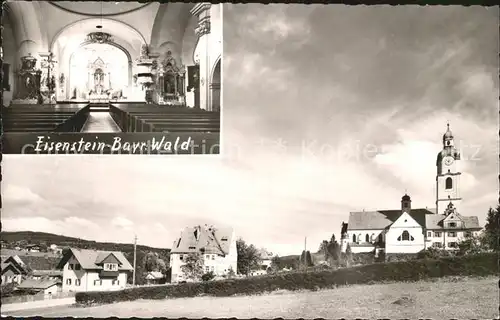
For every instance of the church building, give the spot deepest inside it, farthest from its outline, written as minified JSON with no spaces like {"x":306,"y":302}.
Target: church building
{"x":411,"y":230}
{"x":103,"y":60}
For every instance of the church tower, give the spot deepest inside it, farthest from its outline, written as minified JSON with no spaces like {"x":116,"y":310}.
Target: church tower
{"x":448,"y":175}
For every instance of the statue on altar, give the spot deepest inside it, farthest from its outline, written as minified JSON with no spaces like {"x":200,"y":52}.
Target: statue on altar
{"x":99,"y":82}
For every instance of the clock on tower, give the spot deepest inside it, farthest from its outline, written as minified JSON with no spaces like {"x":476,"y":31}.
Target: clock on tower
{"x":448,"y":175}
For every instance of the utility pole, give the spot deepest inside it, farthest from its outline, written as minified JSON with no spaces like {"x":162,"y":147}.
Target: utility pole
{"x":305,"y":244}
{"x":135,"y":253}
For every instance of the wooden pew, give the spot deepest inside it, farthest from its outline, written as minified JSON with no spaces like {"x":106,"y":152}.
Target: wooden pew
{"x":153,"y":118}
{"x":45,"y":118}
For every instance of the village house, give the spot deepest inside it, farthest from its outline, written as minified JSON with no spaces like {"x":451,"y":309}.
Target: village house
{"x":265,"y":263}
{"x":216,"y":246}
{"x":155,"y":277}
{"x":409,"y":230}
{"x":93,"y":270}
{"x":40,"y":286}
{"x":12,"y":272}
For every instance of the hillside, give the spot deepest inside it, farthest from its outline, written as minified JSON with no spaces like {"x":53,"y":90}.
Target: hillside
{"x":22,"y":238}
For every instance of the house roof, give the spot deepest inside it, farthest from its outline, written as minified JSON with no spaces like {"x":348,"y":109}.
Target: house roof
{"x":90,"y":259}
{"x":15,"y":267}
{"x":427,"y":218}
{"x":40,"y":262}
{"x":368,"y":220}
{"x":265,"y":255}
{"x":435,"y":221}
{"x":37,"y":284}
{"x":47,"y":273}
{"x":208,"y":238}
{"x":154,"y":275}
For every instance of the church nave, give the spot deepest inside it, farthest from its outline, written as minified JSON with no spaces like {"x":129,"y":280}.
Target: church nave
{"x":111,"y":67}
{"x":100,"y":122}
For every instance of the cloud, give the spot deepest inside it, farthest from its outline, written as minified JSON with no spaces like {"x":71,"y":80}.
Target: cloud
{"x":122,"y":222}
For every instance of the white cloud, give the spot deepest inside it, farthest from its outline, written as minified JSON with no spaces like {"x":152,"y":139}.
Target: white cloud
{"x":122,"y":222}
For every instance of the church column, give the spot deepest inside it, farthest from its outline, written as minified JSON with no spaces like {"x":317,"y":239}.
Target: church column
{"x":202,"y":11}
{"x":130,"y":74}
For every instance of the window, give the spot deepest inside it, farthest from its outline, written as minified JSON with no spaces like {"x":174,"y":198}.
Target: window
{"x":115,"y":282}
{"x":213,"y":257}
{"x":181,"y":257}
{"x":78,"y":266}
{"x":5,"y":80}
{"x":452,"y":224}
{"x":68,"y":282}
{"x":437,"y":244}
{"x":437,"y":234}
{"x":77,"y":282}
{"x":468,"y":234}
{"x":192,"y":248}
{"x":452,"y":245}
{"x":212,"y":268}
{"x":405,"y":236}
{"x":207,"y":269}
{"x":353,"y":238}
{"x":224,"y":239}
{"x":207,"y":256}
{"x":70,"y":266}
{"x":367,"y":238}
{"x":405,"y":204}
{"x":449,"y":183}
{"x":111,"y":267}
{"x":380,"y":238}
{"x":429,"y":234}
{"x":97,"y":282}
{"x":452,"y":234}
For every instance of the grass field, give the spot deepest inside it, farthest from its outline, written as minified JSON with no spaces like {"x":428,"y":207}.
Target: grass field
{"x":445,"y":298}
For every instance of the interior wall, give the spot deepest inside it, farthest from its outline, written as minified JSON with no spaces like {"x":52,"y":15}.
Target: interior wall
{"x":189,"y":42}
{"x":9,"y":56}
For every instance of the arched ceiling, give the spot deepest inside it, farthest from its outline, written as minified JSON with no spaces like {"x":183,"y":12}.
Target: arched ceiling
{"x":98,"y":8}
{"x":72,"y":36}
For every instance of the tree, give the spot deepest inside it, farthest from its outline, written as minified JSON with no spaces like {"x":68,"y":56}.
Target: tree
{"x":306,"y":259}
{"x":231,"y":273}
{"x":193,"y":266}
{"x":323,"y":248}
{"x":248,"y":257}
{"x":150,"y":262}
{"x":470,"y":245}
{"x":276,"y":264}
{"x":162,"y":266}
{"x":492,"y":229}
{"x":348,"y":259}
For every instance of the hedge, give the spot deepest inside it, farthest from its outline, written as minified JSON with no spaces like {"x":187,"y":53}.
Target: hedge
{"x":478,"y":265}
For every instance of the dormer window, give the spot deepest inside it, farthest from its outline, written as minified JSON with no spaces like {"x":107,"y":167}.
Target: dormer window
{"x":111,"y":267}
{"x":452,"y":224}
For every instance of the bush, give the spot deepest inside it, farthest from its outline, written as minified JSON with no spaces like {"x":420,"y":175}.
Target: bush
{"x":479,"y":265}
{"x":208,"y":276}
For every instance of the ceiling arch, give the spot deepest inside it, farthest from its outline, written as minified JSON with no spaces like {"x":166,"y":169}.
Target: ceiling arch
{"x":170,"y":23}
{"x":97,"y":9}
{"x":75,"y":33}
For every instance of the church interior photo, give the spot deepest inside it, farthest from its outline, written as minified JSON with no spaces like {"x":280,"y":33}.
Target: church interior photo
{"x":109,"y":66}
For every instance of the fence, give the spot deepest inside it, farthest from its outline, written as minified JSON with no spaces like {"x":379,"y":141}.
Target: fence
{"x":37,"y":297}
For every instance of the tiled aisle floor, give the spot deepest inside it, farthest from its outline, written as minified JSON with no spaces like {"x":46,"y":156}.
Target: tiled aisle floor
{"x":100,"y":122}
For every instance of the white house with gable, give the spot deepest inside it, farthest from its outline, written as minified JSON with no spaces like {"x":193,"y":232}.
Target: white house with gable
{"x":408,"y":230}
{"x":93,"y":270}
{"x":216,"y":246}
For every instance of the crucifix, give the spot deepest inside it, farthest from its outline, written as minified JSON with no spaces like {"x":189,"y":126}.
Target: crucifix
{"x":51,"y":83}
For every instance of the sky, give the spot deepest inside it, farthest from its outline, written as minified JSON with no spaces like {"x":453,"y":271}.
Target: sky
{"x":326,"y":110}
